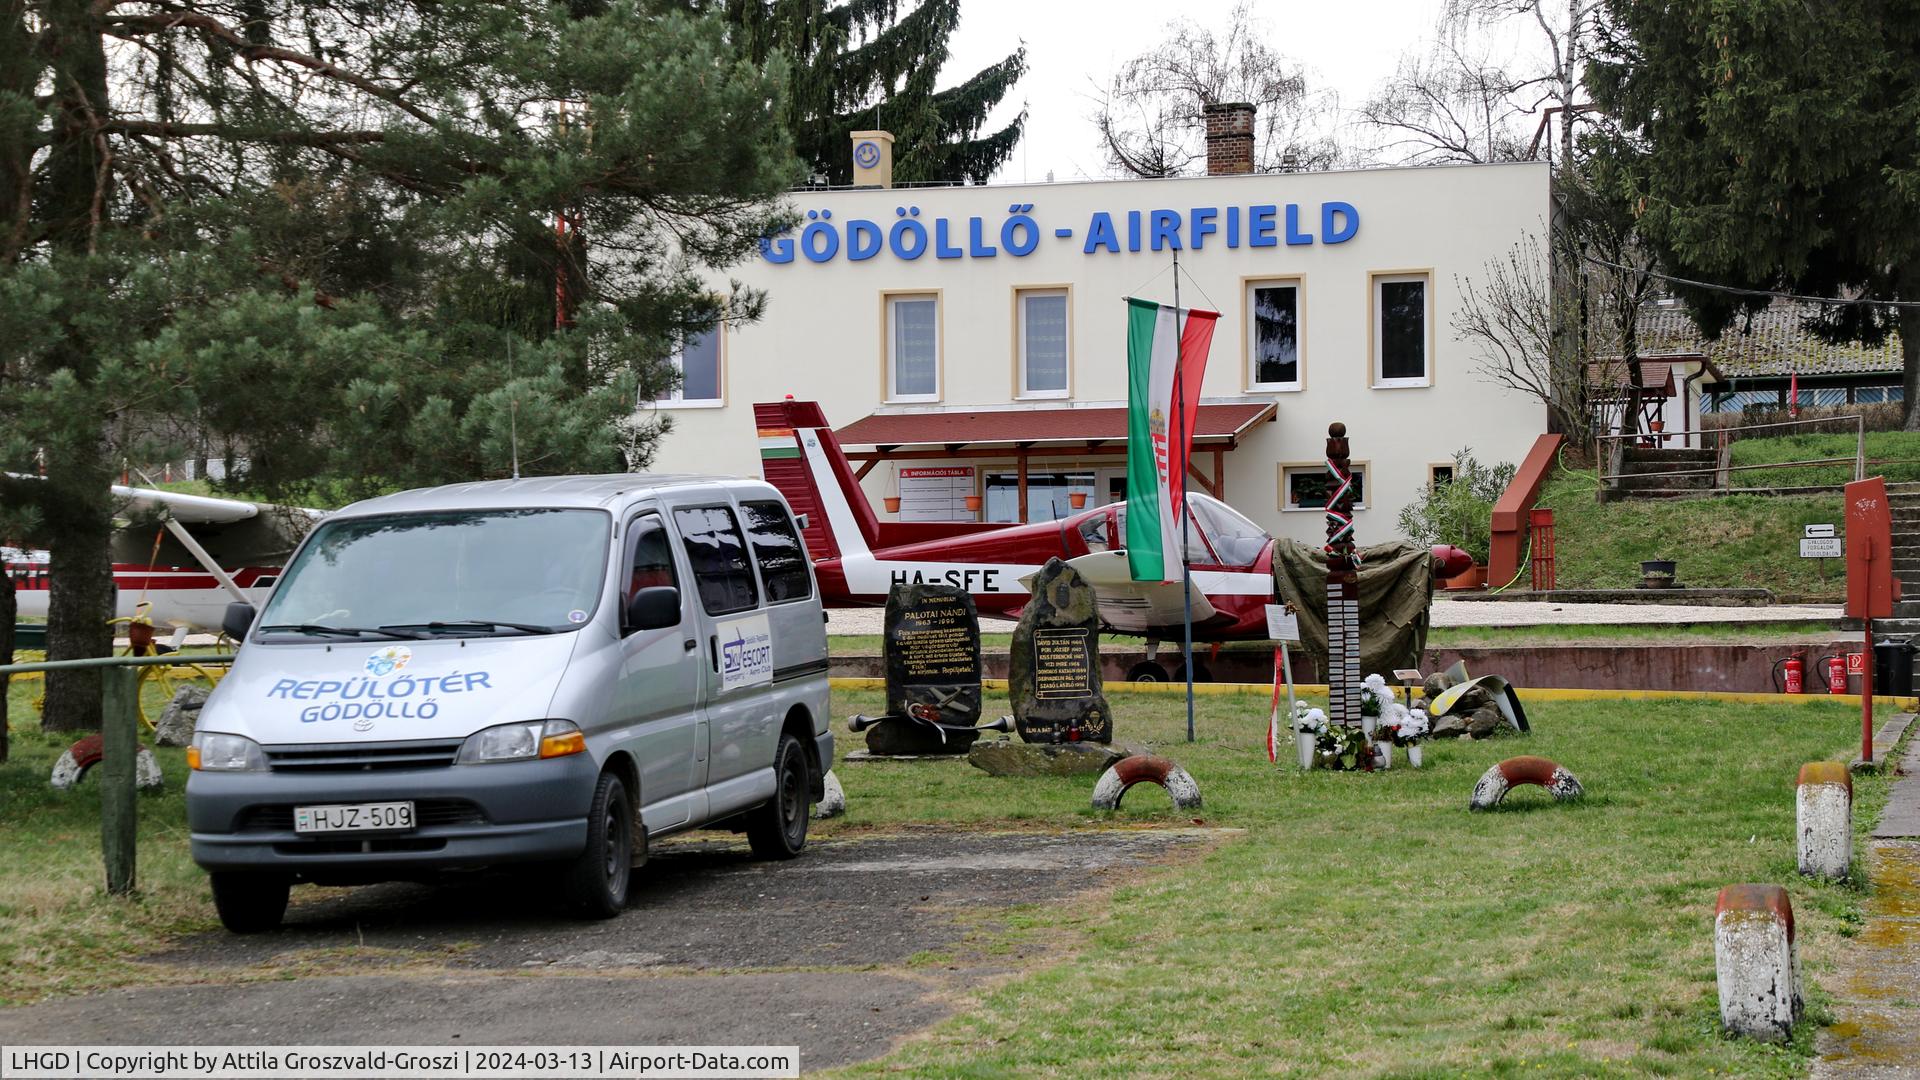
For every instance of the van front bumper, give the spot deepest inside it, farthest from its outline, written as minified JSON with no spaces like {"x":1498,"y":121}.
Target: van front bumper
{"x":467,"y":816}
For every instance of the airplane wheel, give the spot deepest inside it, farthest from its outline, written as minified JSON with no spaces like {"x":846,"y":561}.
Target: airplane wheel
{"x":1146,"y":671}
{"x":1201,"y":672}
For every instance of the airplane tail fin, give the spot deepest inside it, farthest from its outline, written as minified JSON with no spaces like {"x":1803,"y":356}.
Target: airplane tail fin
{"x":800,"y":456}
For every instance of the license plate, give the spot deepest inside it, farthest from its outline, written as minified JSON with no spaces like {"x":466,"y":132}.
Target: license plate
{"x":353,"y":817}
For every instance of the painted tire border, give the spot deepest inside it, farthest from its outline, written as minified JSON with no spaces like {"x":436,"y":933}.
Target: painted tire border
{"x":1145,"y":769}
{"x":1494,"y":784}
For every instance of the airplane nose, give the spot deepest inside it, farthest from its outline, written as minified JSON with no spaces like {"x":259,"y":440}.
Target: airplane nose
{"x":1452,"y":561}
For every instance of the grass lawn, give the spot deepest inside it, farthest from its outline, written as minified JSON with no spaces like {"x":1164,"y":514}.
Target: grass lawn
{"x":1730,"y":541}
{"x":1370,"y":925}
{"x":1356,"y":925}
{"x":1892,"y":454}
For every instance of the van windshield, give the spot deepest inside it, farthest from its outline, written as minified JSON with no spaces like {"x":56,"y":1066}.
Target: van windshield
{"x":456,"y":571}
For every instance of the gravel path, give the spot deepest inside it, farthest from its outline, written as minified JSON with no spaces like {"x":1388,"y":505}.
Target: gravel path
{"x":828,"y":952}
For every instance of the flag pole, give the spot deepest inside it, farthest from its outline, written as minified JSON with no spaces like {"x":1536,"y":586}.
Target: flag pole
{"x":1180,"y":445}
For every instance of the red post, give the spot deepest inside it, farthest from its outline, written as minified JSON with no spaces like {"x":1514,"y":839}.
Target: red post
{"x":1871,"y":588}
{"x":1866,"y":699}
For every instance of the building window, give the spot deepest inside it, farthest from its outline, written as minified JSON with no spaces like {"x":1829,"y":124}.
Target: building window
{"x":913,"y":347}
{"x":1439,"y":474}
{"x":1048,"y":495}
{"x":698,"y":362}
{"x":1304,"y":486}
{"x":1043,"y":341}
{"x":1273,"y":335}
{"x":1401,"y":307}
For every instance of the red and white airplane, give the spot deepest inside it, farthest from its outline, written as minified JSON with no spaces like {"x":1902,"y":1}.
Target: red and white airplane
{"x":858,"y":557}
{"x":186,"y":556}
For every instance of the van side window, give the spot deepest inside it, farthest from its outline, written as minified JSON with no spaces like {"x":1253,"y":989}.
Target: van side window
{"x":719,"y":558}
{"x":652,"y":556}
{"x":776,"y":547}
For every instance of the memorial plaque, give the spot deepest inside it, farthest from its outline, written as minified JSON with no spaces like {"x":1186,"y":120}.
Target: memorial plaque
{"x":932,"y":644}
{"x":1062,"y":663}
{"x":1053,"y":674}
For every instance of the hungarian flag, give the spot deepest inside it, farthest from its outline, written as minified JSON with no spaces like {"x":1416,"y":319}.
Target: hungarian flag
{"x":1163,"y":398}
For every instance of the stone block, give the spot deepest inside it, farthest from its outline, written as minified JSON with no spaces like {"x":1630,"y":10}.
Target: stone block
{"x":1823,"y":816}
{"x":1757,"y":969}
{"x":1004,"y":757}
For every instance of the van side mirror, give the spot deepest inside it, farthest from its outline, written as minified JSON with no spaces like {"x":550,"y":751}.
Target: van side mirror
{"x":654,"y":608}
{"x":238,"y":620}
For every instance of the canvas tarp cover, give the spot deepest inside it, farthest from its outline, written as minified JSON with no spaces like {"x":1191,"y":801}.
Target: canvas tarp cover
{"x":1396,"y":590}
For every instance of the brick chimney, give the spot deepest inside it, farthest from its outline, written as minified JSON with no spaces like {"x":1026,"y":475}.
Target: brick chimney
{"x":1229,"y":138}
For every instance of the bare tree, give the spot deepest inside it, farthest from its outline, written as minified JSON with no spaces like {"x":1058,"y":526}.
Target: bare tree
{"x":1151,"y":113}
{"x":1449,"y":104}
{"x":1510,"y":315}
{"x":1567,"y":30}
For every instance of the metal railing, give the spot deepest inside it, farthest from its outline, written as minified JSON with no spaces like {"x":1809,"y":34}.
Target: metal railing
{"x":119,"y":744}
{"x":1610,"y":452}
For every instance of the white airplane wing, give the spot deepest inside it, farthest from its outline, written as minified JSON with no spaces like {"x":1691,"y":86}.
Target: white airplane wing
{"x":184,"y":508}
{"x":1129,"y":606}
{"x":198,"y":509}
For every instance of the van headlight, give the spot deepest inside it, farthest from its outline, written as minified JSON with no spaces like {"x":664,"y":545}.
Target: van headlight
{"x":211,"y":751}
{"x":522,"y":742}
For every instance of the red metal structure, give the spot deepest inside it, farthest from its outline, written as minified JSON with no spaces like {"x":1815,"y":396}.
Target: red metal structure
{"x":1510,"y":512}
{"x":1871,"y":588}
{"x":1540,"y":524}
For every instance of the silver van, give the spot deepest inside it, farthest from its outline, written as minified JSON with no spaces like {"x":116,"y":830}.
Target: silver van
{"x":548,"y":671}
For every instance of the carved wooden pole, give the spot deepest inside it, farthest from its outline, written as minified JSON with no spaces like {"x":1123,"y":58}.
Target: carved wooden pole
{"x":1343,"y":588}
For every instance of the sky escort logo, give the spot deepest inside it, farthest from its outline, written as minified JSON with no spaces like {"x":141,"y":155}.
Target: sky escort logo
{"x":746,"y":653}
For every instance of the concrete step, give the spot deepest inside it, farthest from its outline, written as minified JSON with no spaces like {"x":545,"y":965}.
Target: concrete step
{"x":1668,"y":453}
{"x":1645,"y":481}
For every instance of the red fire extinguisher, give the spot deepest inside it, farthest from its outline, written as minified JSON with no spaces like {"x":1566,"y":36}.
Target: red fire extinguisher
{"x":1837,"y":674}
{"x":1793,"y":680}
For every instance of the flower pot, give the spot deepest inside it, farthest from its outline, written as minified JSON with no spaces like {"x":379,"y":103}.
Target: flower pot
{"x":1475,"y":578}
{"x":1077,"y":499}
{"x":973,"y":504}
{"x":1413,"y":755}
{"x":1383,"y":754}
{"x":893,"y":504}
{"x":1303,"y":748}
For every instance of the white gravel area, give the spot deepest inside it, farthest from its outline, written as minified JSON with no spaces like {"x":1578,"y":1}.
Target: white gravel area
{"x":1544,"y":613}
{"x":1450,"y":613}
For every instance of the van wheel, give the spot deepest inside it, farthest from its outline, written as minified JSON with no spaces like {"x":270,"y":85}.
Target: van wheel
{"x":778,"y":829}
{"x":596,"y":882}
{"x":249,"y":903}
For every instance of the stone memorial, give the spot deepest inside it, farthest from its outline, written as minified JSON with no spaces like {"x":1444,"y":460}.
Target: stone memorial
{"x":931,"y":642}
{"x":1053,"y":675}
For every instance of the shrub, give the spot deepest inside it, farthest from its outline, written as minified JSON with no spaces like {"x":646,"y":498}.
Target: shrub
{"x":1459,"y":511}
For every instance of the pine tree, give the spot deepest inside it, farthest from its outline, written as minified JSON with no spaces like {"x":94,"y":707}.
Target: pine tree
{"x":860,"y":65}
{"x":1771,"y":145}
{"x":322,"y":237}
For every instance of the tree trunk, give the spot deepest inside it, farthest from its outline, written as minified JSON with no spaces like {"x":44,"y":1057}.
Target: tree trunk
{"x":77,"y":504}
{"x":81,"y":593}
{"x":9,"y":612}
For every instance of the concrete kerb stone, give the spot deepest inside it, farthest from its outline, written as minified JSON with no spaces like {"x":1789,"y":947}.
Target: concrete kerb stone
{"x":1823,"y":816}
{"x":1756,"y":965}
{"x":1885,"y":738}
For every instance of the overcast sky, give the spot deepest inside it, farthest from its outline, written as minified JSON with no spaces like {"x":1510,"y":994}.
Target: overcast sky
{"x":1074,"y":45}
